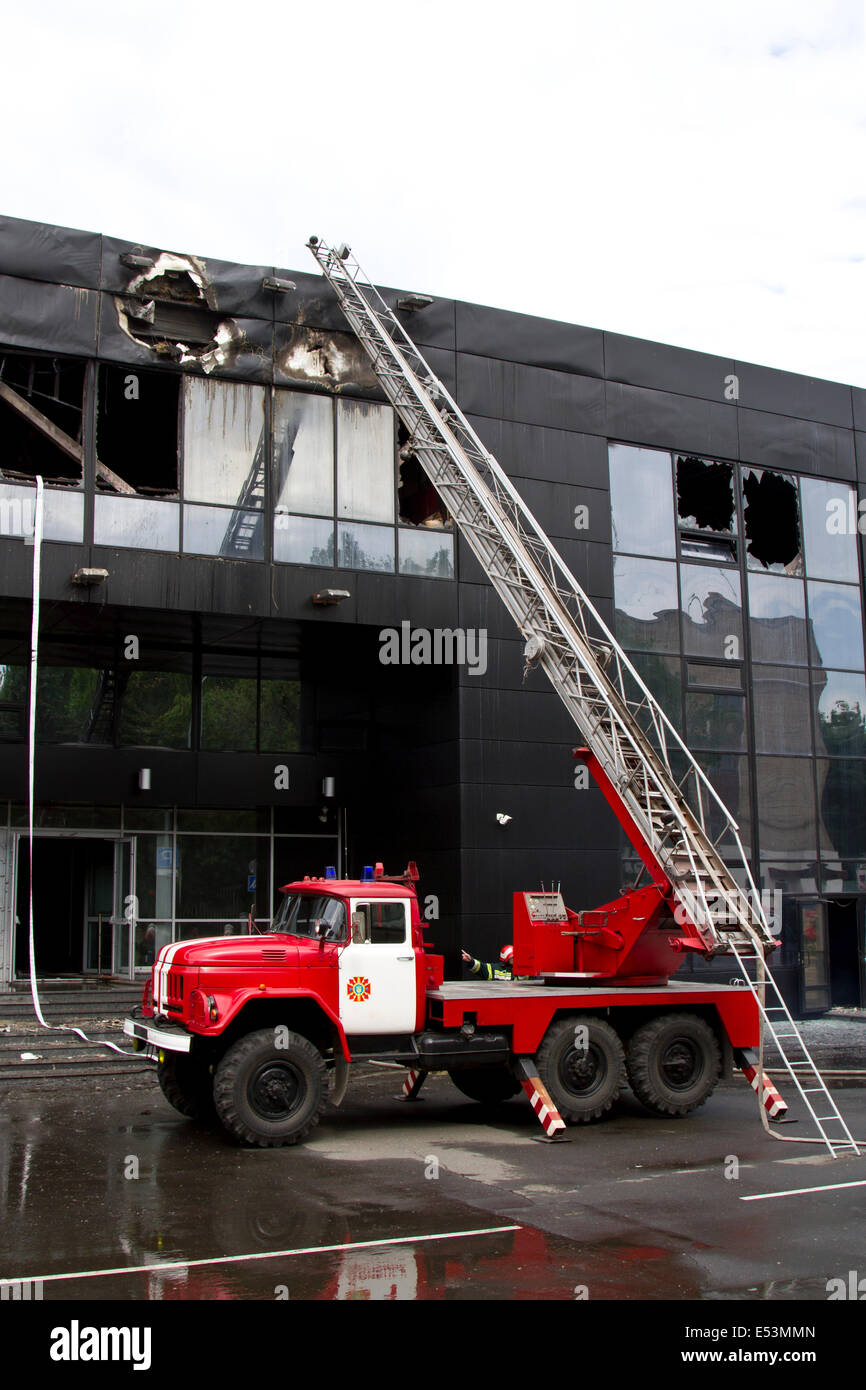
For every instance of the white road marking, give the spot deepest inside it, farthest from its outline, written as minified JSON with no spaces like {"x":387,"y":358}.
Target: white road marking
{"x":799,"y":1191}
{"x":255,"y":1255}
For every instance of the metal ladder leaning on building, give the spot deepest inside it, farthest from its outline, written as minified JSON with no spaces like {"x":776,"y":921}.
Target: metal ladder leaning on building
{"x":686,"y":829}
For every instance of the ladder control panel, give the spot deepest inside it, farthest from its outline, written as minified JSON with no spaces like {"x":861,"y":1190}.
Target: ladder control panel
{"x":540,"y":946}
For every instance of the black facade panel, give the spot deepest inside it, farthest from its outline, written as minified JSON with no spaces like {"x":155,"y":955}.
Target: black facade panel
{"x":513,"y":714}
{"x":505,"y":665}
{"x":496,"y":762}
{"x":48,"y":318}
{"x":777,"y":441}
{"x":293,"y":586}
{"x":191,"y":583}
{"x":858,"y":401}
{"x":860,"y":450}
{"x":535,"y":342}
{"x":529,"y":395}
{"x":479,"y":606}
{"x":787,"y":393}
{"x":313,"y":302}
{"x":432,"y":326}
{"x":664,"y":368}
{"x":39,"y":251}
{"x":557,"y":818}
{"x":659,"y":418}
{"x":556,"y":456}
{"x":492,"y":877}
{"x":555,"y":507}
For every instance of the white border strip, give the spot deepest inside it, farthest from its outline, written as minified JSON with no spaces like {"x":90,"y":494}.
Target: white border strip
{"x":799,"y":1191}
{"x":255,"y":1255}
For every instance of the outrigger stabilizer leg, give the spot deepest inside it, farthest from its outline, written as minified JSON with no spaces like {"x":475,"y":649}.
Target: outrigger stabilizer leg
{"x":546,"y":1112}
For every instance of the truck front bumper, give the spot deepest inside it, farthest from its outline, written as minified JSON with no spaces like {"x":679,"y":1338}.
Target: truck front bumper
{"x":153,"y":1038}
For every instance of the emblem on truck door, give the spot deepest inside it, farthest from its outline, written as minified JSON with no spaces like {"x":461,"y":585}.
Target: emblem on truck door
{"x":358,"y":989}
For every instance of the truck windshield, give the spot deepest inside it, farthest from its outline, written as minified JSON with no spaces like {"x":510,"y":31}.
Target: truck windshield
{"x":313,"y":915}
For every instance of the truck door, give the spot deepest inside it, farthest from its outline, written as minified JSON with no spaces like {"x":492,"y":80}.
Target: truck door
{"x":377,"y":969}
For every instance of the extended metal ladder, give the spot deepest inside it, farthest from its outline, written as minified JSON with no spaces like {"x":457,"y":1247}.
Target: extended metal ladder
{"x":684,"y":823}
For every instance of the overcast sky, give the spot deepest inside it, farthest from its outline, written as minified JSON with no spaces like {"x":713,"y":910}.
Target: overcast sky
{"x":689,"y":172}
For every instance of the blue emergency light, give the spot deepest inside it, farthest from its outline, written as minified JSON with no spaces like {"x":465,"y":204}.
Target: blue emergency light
{"x":367,"y":875}
{"x":330,"y":872}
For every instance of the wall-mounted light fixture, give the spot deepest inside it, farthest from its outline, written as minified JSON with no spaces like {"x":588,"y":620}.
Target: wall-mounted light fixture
{"x":273,"y":282}
{"x":329,"y":786}
{"x":412,"y":302}
{"x":144,"y":779}
{"x":136,"y":261}
{"x":87,"y":578}
{"x":323,"y":597}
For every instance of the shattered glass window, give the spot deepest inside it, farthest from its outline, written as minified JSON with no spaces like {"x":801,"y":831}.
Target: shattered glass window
{"x":771,"y":521}
{"x":225,"y":456}
{"x":706,"y":513}
{"x":365,"y":462}
{"x":137,"y":431}
{"x":41,"y":418}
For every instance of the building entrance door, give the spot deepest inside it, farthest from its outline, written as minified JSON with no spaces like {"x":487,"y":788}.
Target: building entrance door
{"x":83,"y":905}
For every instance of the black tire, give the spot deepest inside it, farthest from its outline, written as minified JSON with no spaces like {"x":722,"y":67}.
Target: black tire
{"x":583,"y":1082}
{"x":187,"y":1084}
{"x":487,"y":1085}
{"x":674,"y":1063}
{"x":266,"y":1095}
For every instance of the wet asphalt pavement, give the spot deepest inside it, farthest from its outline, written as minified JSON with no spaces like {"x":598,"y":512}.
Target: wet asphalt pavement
{"x":437,"y":1200}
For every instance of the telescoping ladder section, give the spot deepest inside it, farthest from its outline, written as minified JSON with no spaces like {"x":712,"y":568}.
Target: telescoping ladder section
{"x":682,"y":821}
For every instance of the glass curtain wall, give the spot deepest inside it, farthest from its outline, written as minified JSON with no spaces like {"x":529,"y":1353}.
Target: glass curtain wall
{"x":737,"y":594}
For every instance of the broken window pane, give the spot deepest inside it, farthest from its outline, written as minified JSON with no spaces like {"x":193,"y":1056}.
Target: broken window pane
{"x":303,"y":453}
{"x":646,"y":603}
{"x":642,"y":508}
{"x":705,"y":495}
{"x":712,"y":612}
{"x":829,"y":530}
{"x":135,"y":521}
{"x":365,"y":462}
{"x":219,"y":531}
{"x":224,"y":443}
{"x":137,"y":430}
{"x":418,"y":502}
{"x":41,"y":400}
{"x":428,"y":553}
{"x":303,"y":540}
{"x":366,"y":547}
{"x":777,"y":608}
{"x":836,"y":626}
{"x":771,"y":520}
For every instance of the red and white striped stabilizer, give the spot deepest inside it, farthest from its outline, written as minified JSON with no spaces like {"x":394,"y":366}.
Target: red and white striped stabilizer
{"x":413,"y":1083}
{"x":546,"y":1112}
{"x":747,"y":1061}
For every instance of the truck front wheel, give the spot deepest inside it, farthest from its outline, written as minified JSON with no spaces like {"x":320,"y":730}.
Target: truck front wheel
{"x":674,"y":1063}
{"x":582,"y":1063}
{"x":267,"y":1095}
{"x":187,"y":1084}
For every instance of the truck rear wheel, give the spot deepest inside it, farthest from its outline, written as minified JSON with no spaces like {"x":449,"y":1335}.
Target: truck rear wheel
{"x":487,"y":1085}
{"x":267,"y":1095}
{"x":187,"y":1084}
{"x":674,"y":1063}
{"x":584,"y":1071}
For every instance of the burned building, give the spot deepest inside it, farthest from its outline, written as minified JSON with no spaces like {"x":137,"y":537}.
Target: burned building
{"x":234,"y":523}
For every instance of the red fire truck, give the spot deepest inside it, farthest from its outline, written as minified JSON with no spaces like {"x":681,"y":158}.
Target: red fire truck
{"x":248,"y":1028}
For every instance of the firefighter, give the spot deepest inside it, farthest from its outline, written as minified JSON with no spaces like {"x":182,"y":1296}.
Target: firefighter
{"x":487,"y":970}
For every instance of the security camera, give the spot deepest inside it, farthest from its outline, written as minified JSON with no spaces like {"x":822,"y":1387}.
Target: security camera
{"x":503,"y":818}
